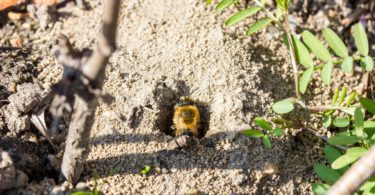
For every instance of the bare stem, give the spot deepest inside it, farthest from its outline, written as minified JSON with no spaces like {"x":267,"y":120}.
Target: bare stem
{"x":324,"y":108}
{"x":357,"y":174}
{"x":322,"y":137}
{"x":291,"y":52}
{"x":81,"y":83}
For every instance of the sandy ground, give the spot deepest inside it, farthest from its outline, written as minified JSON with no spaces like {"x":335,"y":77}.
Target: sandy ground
{"x":169,"y":49}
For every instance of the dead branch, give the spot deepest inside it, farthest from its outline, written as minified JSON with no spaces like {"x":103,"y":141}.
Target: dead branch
{"x":80,"y":86}
{"x":353,"y":178}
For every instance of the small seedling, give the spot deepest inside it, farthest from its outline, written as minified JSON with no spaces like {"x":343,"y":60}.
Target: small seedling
{"x":95,"y":190}
{"x":265,"y":133}
{"x":146,"y":169}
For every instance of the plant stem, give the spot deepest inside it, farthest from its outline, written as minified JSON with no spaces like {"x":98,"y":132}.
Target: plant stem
{"x":322,"y":137}
{"x":268,"y":12}
{"x":291,"y":52}
{"x":323,"y":108}
{"x":320,"y":66}
{"x":287,"y":31}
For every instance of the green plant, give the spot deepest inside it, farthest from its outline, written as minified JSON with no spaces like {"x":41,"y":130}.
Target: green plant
{"x":95,"y":190}
{"x":356,"y":135}
{"x":302,"y":51}
{"x":146,"y":170}
{"x":309,"y":55}
{"x":265,"y":132}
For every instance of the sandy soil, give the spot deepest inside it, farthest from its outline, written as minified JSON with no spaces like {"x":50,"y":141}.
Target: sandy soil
{"x":168,"y":49}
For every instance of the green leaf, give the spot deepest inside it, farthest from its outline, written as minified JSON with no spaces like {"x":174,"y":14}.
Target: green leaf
{"x":341,"y":122}
{"x":360,"y":39}
{"x":352,"y":154}
{"x":208,"y":2}
{"x":258,"y":25}
{"x":347,"y":65}
{"x":331,"y":153}
{"x":326,"y":173}
{"x":368,"y":104}
{"x":285,"y":41}
{"x":146,"y":169}
{"x":266,"y":141}
{"x":278,"y":132}
{"x":358,"y":122}
{"x":367,"y":63}
{"x":335,"y":43}
{"x":327,"y":72}
{"x":316,"y":46}
{"x":242,"y":15}
{"x":305,"y":79}
{"x":224,"y":4}
{"x":302,"y":54}
{"x":356,"y":151}
{"x":369,"y":127}
{"x":278,"y":12}
{"x":320,"y":189}
{"x":283,"y":4}
{"x":368,"y":185}
{"x":343,"y":95}
{"x":342,"y":140}
{"x":282,"y":107}
{"x":327,"y":121}
{"x":351,"y":98}
{"x":252,"y":133}
{"x":262,"y":123}
{"x":369,"y":191}
{"x":343,"y":161}
{"x":335,"y":96}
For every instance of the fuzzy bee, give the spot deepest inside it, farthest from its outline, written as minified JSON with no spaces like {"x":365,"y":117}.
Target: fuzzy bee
{"x":186,"y":118}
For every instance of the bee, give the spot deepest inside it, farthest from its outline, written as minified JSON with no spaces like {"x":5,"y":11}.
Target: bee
{"x":186,"y":118}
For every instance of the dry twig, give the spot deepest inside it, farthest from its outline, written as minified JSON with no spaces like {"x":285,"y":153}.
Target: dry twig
{"x":80,"y":85}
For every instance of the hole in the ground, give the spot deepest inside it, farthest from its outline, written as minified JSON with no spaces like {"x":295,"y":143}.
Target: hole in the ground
{"x":165,"y":119}
{"x":30,"y":157}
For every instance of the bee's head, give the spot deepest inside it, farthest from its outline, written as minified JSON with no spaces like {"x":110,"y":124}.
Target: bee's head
{"x":185,"y":101}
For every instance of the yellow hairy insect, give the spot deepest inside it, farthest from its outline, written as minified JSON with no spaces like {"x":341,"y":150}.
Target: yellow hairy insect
{"x":186,"y":118}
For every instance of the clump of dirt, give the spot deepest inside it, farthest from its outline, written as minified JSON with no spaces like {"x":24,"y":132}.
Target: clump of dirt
{"x":10,"y":176}
{"x":17,"y":112}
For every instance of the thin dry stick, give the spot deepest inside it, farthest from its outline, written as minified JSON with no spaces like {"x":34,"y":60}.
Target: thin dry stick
{"x":82,"y":81}
{"x":353,"y":178}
